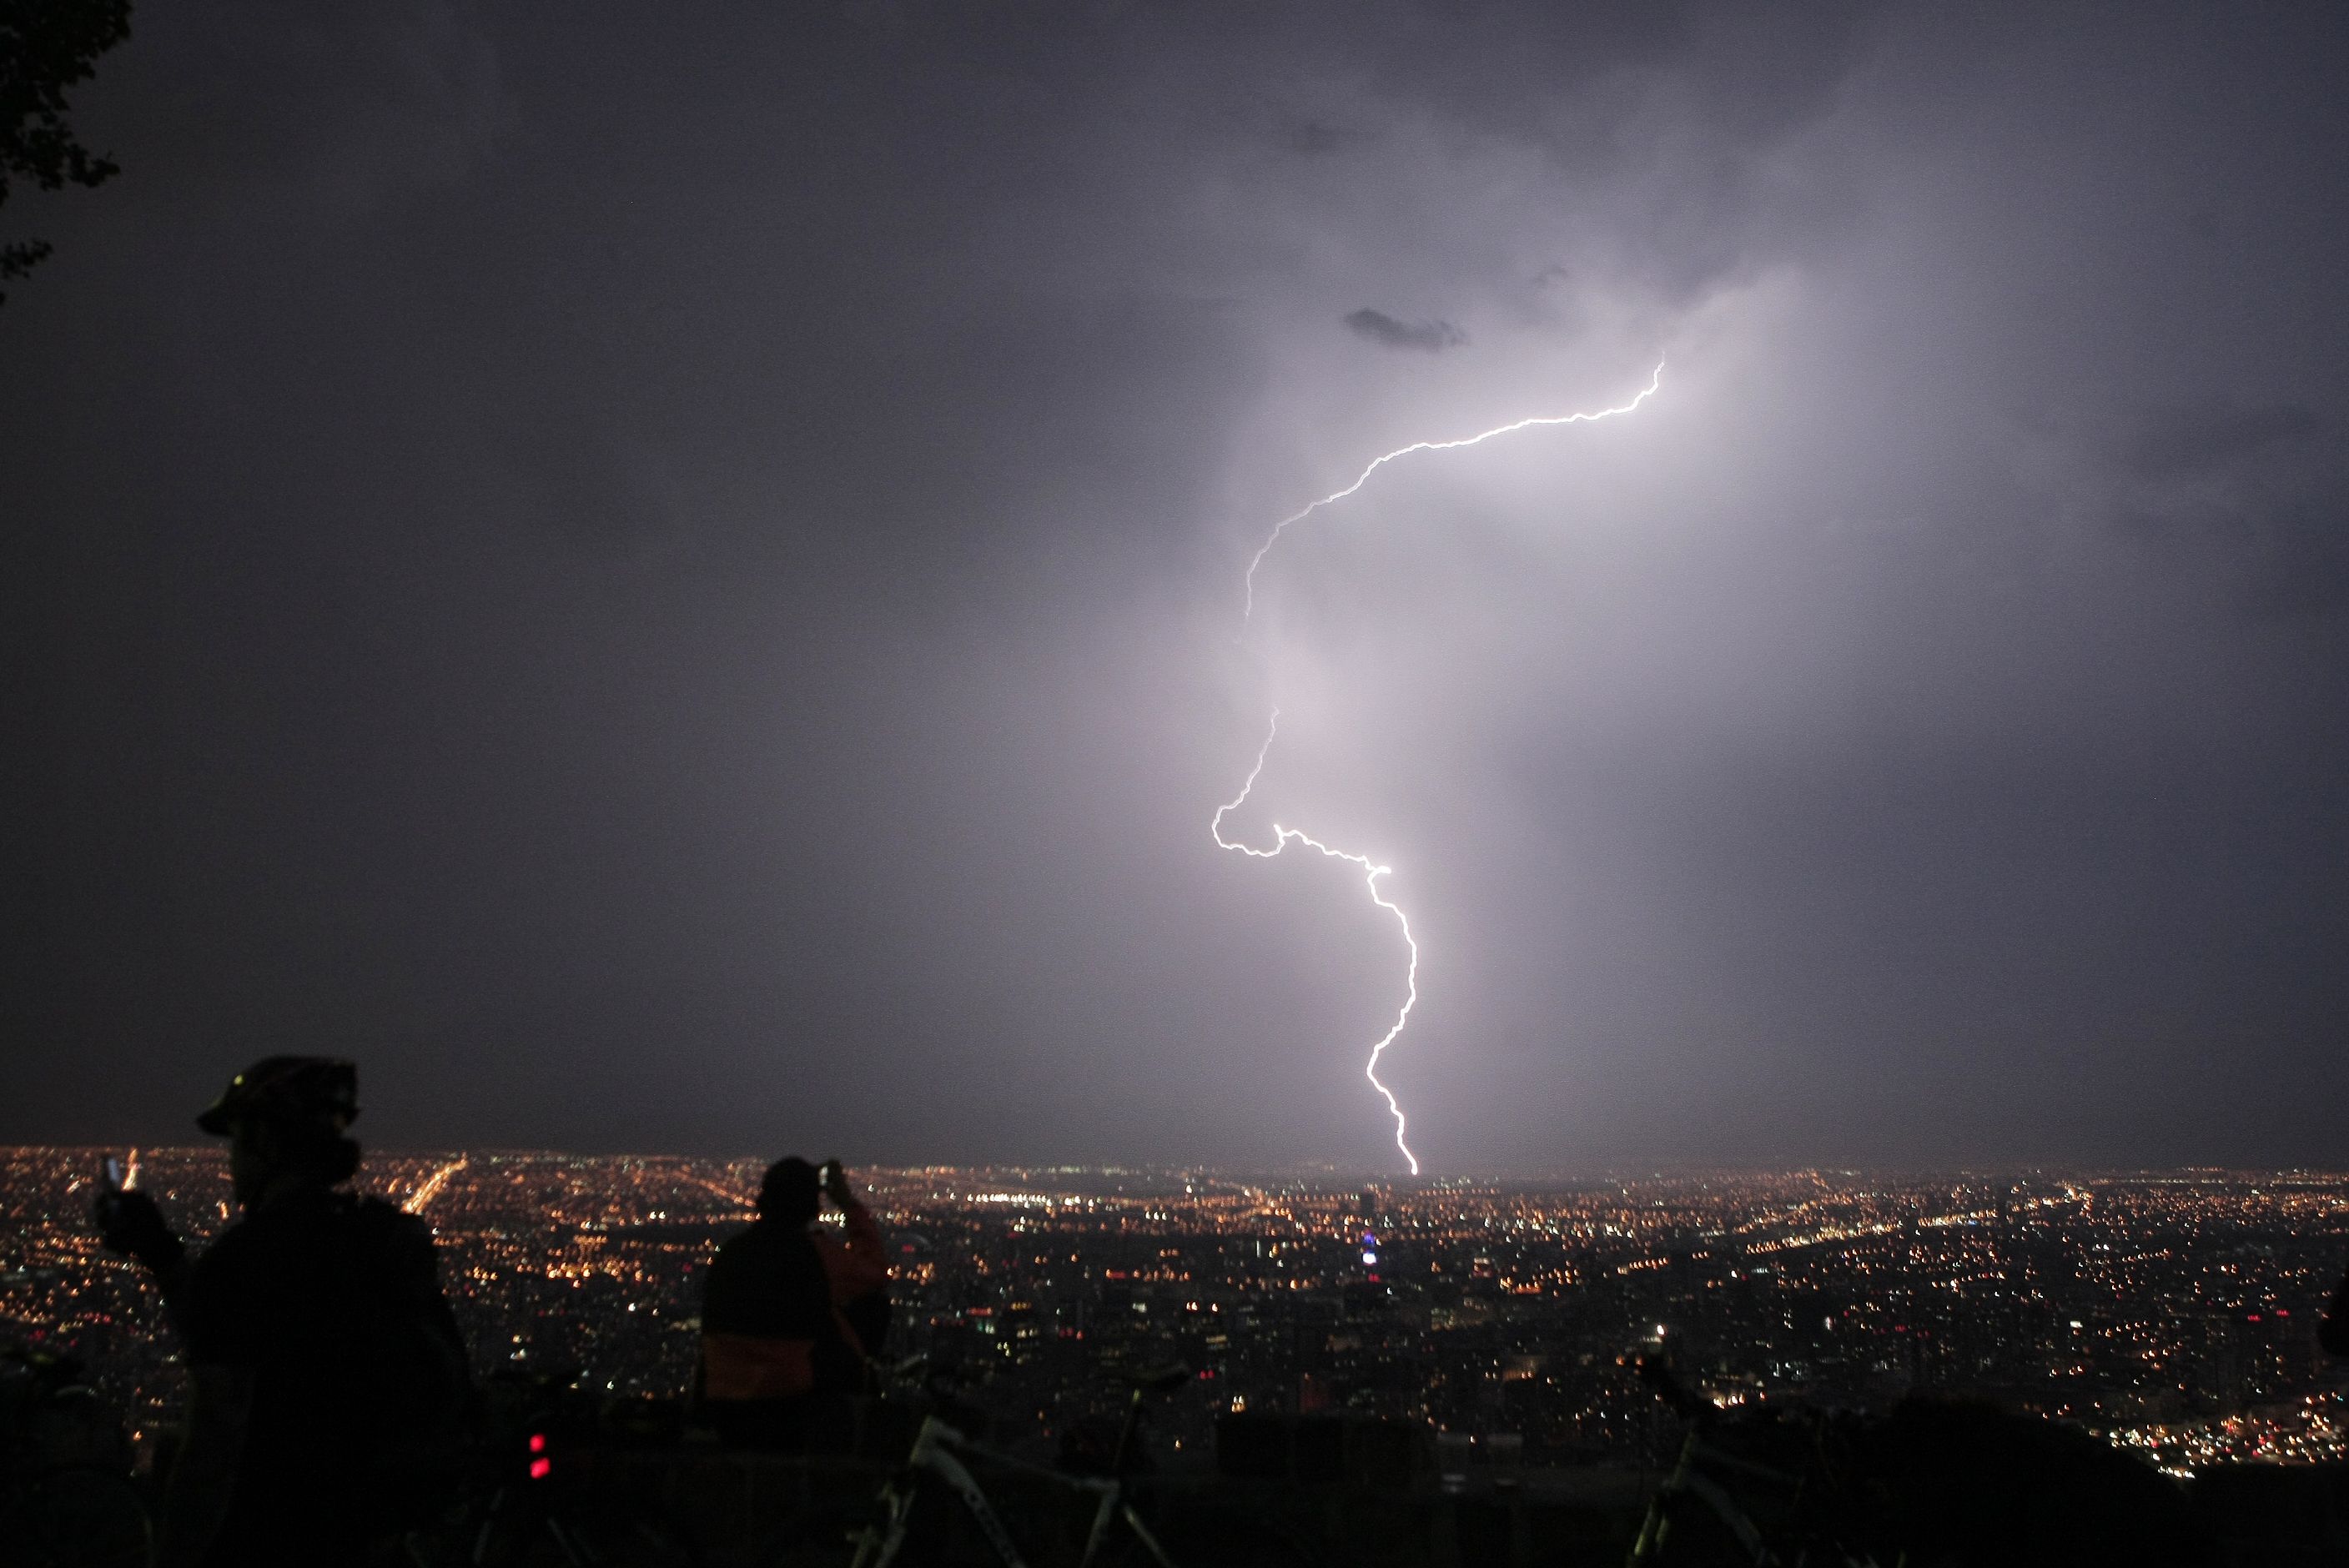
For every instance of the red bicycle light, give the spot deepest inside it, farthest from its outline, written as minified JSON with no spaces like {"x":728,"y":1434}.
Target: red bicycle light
{"x":538,"y":1442}
{"x":539,"y":1468}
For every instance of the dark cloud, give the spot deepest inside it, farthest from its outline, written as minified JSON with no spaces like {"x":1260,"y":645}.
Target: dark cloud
{"x":2185,"y":441}
{"x":675,"y":582}
{"x":2300,"y":567}
{"x":1426,"y":336}
{"x":1317,"y":138}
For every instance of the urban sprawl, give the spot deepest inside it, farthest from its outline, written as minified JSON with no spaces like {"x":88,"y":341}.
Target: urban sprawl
{"x":2174,"y":1313}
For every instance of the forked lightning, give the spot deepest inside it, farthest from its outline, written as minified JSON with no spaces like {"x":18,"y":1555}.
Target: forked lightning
{"x":1371,"y":873}
{"x":1282,"y":839}
{"x":1375,"y":464}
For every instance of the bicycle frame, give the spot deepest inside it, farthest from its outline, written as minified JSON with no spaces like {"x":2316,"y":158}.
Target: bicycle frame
{"x":937,"y":1449}
{"x":1686,"y":1479}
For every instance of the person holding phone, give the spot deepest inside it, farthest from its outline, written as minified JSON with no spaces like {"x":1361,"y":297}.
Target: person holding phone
{"x":791,"y":1313}
{"x":327,"y":1378}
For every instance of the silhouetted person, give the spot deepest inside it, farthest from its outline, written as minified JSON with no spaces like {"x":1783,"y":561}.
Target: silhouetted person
{"x":788,"y":1314}
{"x":2332,"y":1329}
{"x":327,"y":1380}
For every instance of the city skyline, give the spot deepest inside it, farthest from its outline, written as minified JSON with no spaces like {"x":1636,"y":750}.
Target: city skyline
{"x":2172,"y":1315}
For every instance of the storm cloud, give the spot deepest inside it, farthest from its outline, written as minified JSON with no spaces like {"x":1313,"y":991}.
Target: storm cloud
{"x":676,"y":581}
{"x":1427,"y":336}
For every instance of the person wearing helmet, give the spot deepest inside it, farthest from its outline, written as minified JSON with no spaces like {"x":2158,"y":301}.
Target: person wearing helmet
{"x":327,"y":1377}
{"x":789,"y":1313}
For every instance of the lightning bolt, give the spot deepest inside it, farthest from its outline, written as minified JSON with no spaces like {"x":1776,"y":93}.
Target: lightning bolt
{"x":1371,"y":872}
{"x":1282,"y":839}
{"x":1377,"y":463}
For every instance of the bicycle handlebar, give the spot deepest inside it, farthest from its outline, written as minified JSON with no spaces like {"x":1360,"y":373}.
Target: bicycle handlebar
{"x":1656,"y":1371}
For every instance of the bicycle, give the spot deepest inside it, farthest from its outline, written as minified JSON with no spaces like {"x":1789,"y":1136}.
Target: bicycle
{"x":521,"y":1504}
{"x":1811,"y":1520}
{"x":66,"y":1499}
{"x":936,"y":1487}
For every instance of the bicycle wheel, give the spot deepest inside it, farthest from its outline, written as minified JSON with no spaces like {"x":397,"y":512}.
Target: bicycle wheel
{"x":1695,"y":1532}
{"x":649,"y":1539}
{"x":630,"y":1538}
{"x":1212,"y":1538}
{"x":76,"y":1519}
{"x":823,"y":1536}
{"x":836,"y":1550}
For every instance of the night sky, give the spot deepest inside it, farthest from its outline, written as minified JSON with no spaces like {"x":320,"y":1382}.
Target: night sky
{"x":668,"y":578}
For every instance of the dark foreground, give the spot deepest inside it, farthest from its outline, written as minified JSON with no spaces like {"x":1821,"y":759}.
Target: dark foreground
{"x":745,"y":1509}
{"x":1428,"y":1375}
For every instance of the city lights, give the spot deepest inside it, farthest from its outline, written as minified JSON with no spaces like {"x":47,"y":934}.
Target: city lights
{"x":2172,"y":1313}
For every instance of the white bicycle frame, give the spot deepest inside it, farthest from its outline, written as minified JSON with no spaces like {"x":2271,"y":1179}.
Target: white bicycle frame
{"x":937,"y":1449}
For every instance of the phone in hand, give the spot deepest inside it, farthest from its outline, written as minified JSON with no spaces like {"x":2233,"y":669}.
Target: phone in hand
{"x":110,"y":1174}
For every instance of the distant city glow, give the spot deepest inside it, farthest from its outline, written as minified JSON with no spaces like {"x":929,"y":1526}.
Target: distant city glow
{"x":422,"y":1197}
{"x":2193,"y":1290}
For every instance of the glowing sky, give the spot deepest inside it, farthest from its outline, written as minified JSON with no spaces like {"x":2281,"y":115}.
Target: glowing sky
{"x":677,"y":587}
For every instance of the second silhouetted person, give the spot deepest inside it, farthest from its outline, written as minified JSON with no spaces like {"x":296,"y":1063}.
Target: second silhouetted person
{"x":788,"y":1315}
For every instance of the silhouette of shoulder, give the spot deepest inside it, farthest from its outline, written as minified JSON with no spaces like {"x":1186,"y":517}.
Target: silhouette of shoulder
{"x":295,"y":1258}
{"x":333,"y":1302}
{"x":769,"y":1279}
